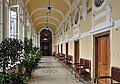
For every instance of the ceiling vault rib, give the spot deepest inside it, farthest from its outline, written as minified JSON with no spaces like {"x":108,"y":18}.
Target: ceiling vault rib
{"x":44,"y":8}
{"x":45,"y":23}
{"x":68,"y":2}
{"x":44,"y":27}
{"x":45,"y":17}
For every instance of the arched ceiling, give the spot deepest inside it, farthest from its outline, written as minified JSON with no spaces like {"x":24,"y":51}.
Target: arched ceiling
{"x":37,"y":10}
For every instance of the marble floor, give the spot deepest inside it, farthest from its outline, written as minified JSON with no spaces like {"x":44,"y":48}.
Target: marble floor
{"x":50,"y":71}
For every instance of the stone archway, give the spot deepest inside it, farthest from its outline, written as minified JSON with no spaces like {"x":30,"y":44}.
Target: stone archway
{"x":46,"y":42}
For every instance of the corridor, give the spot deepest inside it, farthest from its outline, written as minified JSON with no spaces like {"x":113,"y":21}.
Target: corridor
{"x":50,"y":71}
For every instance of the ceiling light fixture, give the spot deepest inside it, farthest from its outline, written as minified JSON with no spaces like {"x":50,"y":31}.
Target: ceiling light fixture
{"x":49,"y":8}
{"x":47,"y":21}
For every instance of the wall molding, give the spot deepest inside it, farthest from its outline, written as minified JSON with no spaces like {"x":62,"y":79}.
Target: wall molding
{"x":102,"y":27}
{"x":85,"y":34}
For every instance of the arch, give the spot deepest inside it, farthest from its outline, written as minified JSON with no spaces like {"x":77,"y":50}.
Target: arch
{"x":44,"y":28}
{"x":46,"y":42}
{"x":45,"y":23}
{"x":44,"y":8}
{"x":45,"y":17}
{"x":45,"y":31}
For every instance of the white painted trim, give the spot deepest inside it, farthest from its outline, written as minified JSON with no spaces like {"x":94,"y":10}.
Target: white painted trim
{"x":13,"y":6}
{"x":76,"y":11}
{"x":45,"y":17}
{"x":100,"y":31}
{"x":85,"y":34}
{"x":98,"y":8}
{"x":44,"y":8}
{"x":101,"y":26}
{"x":116,"y":24}
{"x":71,"y":39}
{"x":101,"y":14}
{"x":77,"y":38}
{"x":45,"y":23}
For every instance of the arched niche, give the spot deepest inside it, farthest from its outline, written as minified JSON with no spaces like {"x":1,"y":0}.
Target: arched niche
{"x":46,"y":42}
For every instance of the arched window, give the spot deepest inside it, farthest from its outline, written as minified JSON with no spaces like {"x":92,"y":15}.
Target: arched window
{"x":98,"y":4}
{"x":76,"y":17}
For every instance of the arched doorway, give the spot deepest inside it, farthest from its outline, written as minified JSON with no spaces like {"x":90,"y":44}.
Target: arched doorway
{"x":46,"y":42}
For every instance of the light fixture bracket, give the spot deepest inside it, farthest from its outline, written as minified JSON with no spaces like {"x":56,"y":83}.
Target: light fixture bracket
{"x":49,"y":9}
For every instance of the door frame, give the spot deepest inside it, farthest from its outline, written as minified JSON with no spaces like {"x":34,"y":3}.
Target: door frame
{"x":95,"y":56}
{"x":75,"y":50}
{"x":61,"y":48}
{"x":66,"y":50}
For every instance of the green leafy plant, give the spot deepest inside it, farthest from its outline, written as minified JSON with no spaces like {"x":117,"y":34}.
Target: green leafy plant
{"x":10,"y":51}
{"x":13,"y":78}
{"x":30,"y":61}
{"x":27,"y":45}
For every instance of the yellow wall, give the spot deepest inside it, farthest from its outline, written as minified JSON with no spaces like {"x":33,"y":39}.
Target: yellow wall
{"x":71,"y":48}
{"x":64,"y":48}
{"x":86,"y":48}
{"x":86,"y":43}
{"x":115,"y":4}
{"x":86,"y":26}
{"x":115,"y":57}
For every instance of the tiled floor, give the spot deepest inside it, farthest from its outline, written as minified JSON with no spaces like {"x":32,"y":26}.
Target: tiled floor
{"x":50,"y":71}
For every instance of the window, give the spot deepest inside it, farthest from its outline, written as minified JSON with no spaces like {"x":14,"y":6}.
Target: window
{"x":1,"y":21}
{"x":76,"y":17}
{"x":14,"y":19}
{"x":98,"y":3}
{"x":67,"y":25}
{"x":13,"y":24}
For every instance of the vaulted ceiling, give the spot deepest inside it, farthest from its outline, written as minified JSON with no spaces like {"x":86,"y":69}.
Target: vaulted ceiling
{"x":37,"y":10}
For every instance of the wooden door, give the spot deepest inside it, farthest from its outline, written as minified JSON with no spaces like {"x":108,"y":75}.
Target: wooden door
{"x":61,"y":48}
{"x":102,"y":57}
{"x":77,"y":52}
{"x":66,"y":50}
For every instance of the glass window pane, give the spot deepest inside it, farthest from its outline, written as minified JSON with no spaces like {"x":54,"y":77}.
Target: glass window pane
{"x":13,"y":24}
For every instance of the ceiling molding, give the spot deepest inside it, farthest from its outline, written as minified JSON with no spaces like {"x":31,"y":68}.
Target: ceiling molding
{"x":44,"y":8}
{"x":45,"y":23}
{"x":45,"y":17}
{"x":67,"y":2}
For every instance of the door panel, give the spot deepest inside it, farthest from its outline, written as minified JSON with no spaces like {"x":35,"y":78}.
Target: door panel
{"x":103,"y":57}
{"x":45,"y":48}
